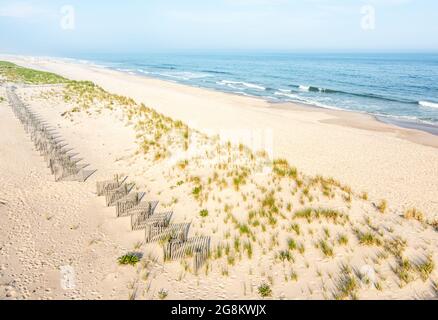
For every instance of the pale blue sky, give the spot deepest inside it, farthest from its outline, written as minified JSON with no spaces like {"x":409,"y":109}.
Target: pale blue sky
{"x":28,"y":26}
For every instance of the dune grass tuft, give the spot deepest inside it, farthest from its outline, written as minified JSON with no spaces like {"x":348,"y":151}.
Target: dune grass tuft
{"x":425,"y":268}
{"x":414,"y":214}
{"x":282,"y":168}
{"x":382,"y":206}
{"x":331,"y":215}
{"x":347,"y":287}
{"x":368,"y":239}
{"x":203,"y":213}
{"x":326,"y":249}
{"x":343,"y":239}
{"x":162,"y":294}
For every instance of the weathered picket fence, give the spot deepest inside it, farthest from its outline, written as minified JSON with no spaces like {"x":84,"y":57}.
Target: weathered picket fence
{"x":61,"y":162}
{"x":141,"y":218}
{"x":157,"y":226}
{"x":198,"y":248}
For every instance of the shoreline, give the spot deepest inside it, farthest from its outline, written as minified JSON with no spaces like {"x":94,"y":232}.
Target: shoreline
{"x":385,"y":119}
{"x":415,"y":131}
{"x":388,"y":120}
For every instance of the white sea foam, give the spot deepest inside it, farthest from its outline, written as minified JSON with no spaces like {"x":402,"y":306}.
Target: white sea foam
{"x":253,"y":86}
{"x":296,"y":98}
{"x":428,"y":104}
{"x":78,"y":61}
{"x":124,"y":70}
{"x":304,"y":88}
{"x":236,"y":84}
{"x":143,"y":71}
{"x":182,"y":75}
{"x":325,"y":106}
{"x":228,"y":84}
{"x":288,"y":95}
{"x":242,"y":93}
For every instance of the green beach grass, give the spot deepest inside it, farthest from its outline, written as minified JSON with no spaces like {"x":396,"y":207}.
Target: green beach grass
{"x":12,"y":72}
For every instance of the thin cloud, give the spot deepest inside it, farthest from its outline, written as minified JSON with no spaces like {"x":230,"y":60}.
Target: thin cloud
{"x":21,"y":10}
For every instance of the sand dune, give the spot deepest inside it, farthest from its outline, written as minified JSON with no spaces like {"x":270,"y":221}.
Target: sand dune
{"x":47,"y":225}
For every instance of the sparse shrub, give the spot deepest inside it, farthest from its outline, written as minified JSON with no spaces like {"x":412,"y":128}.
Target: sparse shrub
{"x":129,"y":259}
{"x":265,"y":290}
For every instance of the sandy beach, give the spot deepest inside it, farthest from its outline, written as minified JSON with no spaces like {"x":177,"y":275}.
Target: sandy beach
{"x":46,"y":225}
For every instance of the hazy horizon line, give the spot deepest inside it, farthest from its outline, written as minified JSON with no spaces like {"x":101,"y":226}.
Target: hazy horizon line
{"x":217,"y":51}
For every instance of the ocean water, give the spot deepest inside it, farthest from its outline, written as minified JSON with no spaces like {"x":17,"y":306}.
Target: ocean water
{"x":400,"y":86}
